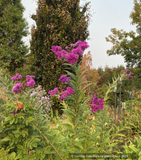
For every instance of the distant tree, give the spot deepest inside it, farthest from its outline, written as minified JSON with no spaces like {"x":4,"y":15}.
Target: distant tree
{"x":13,"y":27}
{"x":58,"y":22}
{"x":94,"y":76}
{"x":100,"y":71}
{"x":128,"y":44}
{"x":86,"y":62}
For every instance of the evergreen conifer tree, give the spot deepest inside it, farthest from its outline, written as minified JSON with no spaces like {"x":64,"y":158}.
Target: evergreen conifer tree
{"x":58,"y":22}
{"x":12,"y":29}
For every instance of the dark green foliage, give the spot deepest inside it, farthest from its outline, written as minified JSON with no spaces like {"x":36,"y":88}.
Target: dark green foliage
{"x":13,"y":28}
{"x":58,"y":23}
{"x":57,"y":106}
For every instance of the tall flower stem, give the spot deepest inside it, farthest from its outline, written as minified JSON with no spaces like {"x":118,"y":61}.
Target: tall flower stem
{"x":130,"y":116}
{"x":48,"y":141}
{"x":115,"y":111}
{"x":120,"y":105}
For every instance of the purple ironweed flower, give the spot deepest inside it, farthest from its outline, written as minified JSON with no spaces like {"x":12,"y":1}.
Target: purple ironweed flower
{"x":17,"y":77}
{"x":70,"y":91}
{"x":77,"y":50}
{"x":128,"y":74}
{"x":80,"y":44}
{"x":31,"y":83}
{"x":64,"y":79}
{"x":17,"y":88}
{"x":55,"y":90}
{"x":55,"y":48}
{"x":76,"y":44}
{"x":94,"y":108}
{"x":15,"y":112}
{"x":0,"y":98}
{"x":28,"y":77}
{"x":72,"y":58}
{"x":64,"y":53}
{"x":83,"y":45}
{"x":62,"y":97}
{"x":52,"y":92}
{"x":97,"y":104}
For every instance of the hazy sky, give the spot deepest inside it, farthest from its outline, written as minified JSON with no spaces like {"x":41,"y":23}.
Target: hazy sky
{"x":106,"y":14}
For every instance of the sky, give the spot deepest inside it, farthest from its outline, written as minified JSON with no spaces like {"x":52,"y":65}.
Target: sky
{"x":106,"y":14}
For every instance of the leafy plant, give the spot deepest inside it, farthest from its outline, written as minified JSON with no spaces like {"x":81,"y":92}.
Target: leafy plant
{"x":133,"y":150}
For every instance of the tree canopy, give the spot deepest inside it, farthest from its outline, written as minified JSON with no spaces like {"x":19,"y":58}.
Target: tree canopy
{"x":13,"y":27}
{"x":128,"y":44}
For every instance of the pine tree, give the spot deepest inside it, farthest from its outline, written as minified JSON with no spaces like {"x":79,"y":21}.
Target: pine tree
{"x":58,"y":22}
{"x":13,"y":28}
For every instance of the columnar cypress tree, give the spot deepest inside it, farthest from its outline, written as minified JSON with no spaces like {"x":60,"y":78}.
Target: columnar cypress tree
{"x":12,"y":29}
{"x":58,"y":22}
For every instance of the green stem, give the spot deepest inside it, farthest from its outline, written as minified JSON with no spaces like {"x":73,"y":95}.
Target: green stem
{"x":74,"y":134}
{"x":47,"y":140}
{"x":85,"y":143}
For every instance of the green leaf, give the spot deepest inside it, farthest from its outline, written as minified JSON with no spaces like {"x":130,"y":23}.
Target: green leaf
{"x":29,"y":119}
{"x":85,"y":87}
{"x":69,"y":113}
{"x":81,"y":96}
{"x":68,"y":64}
{"x":82,"y":74}
{"x":73,"y":86}
{"x":74,"y":82}
{"x":68,"y":126}
{"x":80,"y":82}
{"x":5,"y":139}
{"x":78,"y":145}
{"x":90,"y":122}
{"x":134,"y":149}
{"x":12,"y":156}
{"x":83,"y":68}
{"x":19,"y":146}
{"x":12,"y":121}
{"x":86,"y":114}
{"x":34,"y":144}
{"x":8,"y":118}
{"x":72,"y":75}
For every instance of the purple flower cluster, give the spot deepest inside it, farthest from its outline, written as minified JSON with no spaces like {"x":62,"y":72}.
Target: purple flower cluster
{"x":73,"y":56}
{"x":17,"y":77}
{"x":52,"y":92}
{"x":128,"y":73}
{"x":13,"y":112}
{"x":60,"y":54}
{"x":17,"y":88}
{"x":30,"y":81}
{"x":97,"y":104}
{"x":68,"y":92}
{"x":64,"y":79}
{"x":80,"y":44}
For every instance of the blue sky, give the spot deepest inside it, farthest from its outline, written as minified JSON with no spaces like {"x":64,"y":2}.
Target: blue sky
{"x":106,"y":14}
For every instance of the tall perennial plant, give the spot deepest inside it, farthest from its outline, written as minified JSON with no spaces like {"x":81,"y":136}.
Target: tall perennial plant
{"x":27,"y":136}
